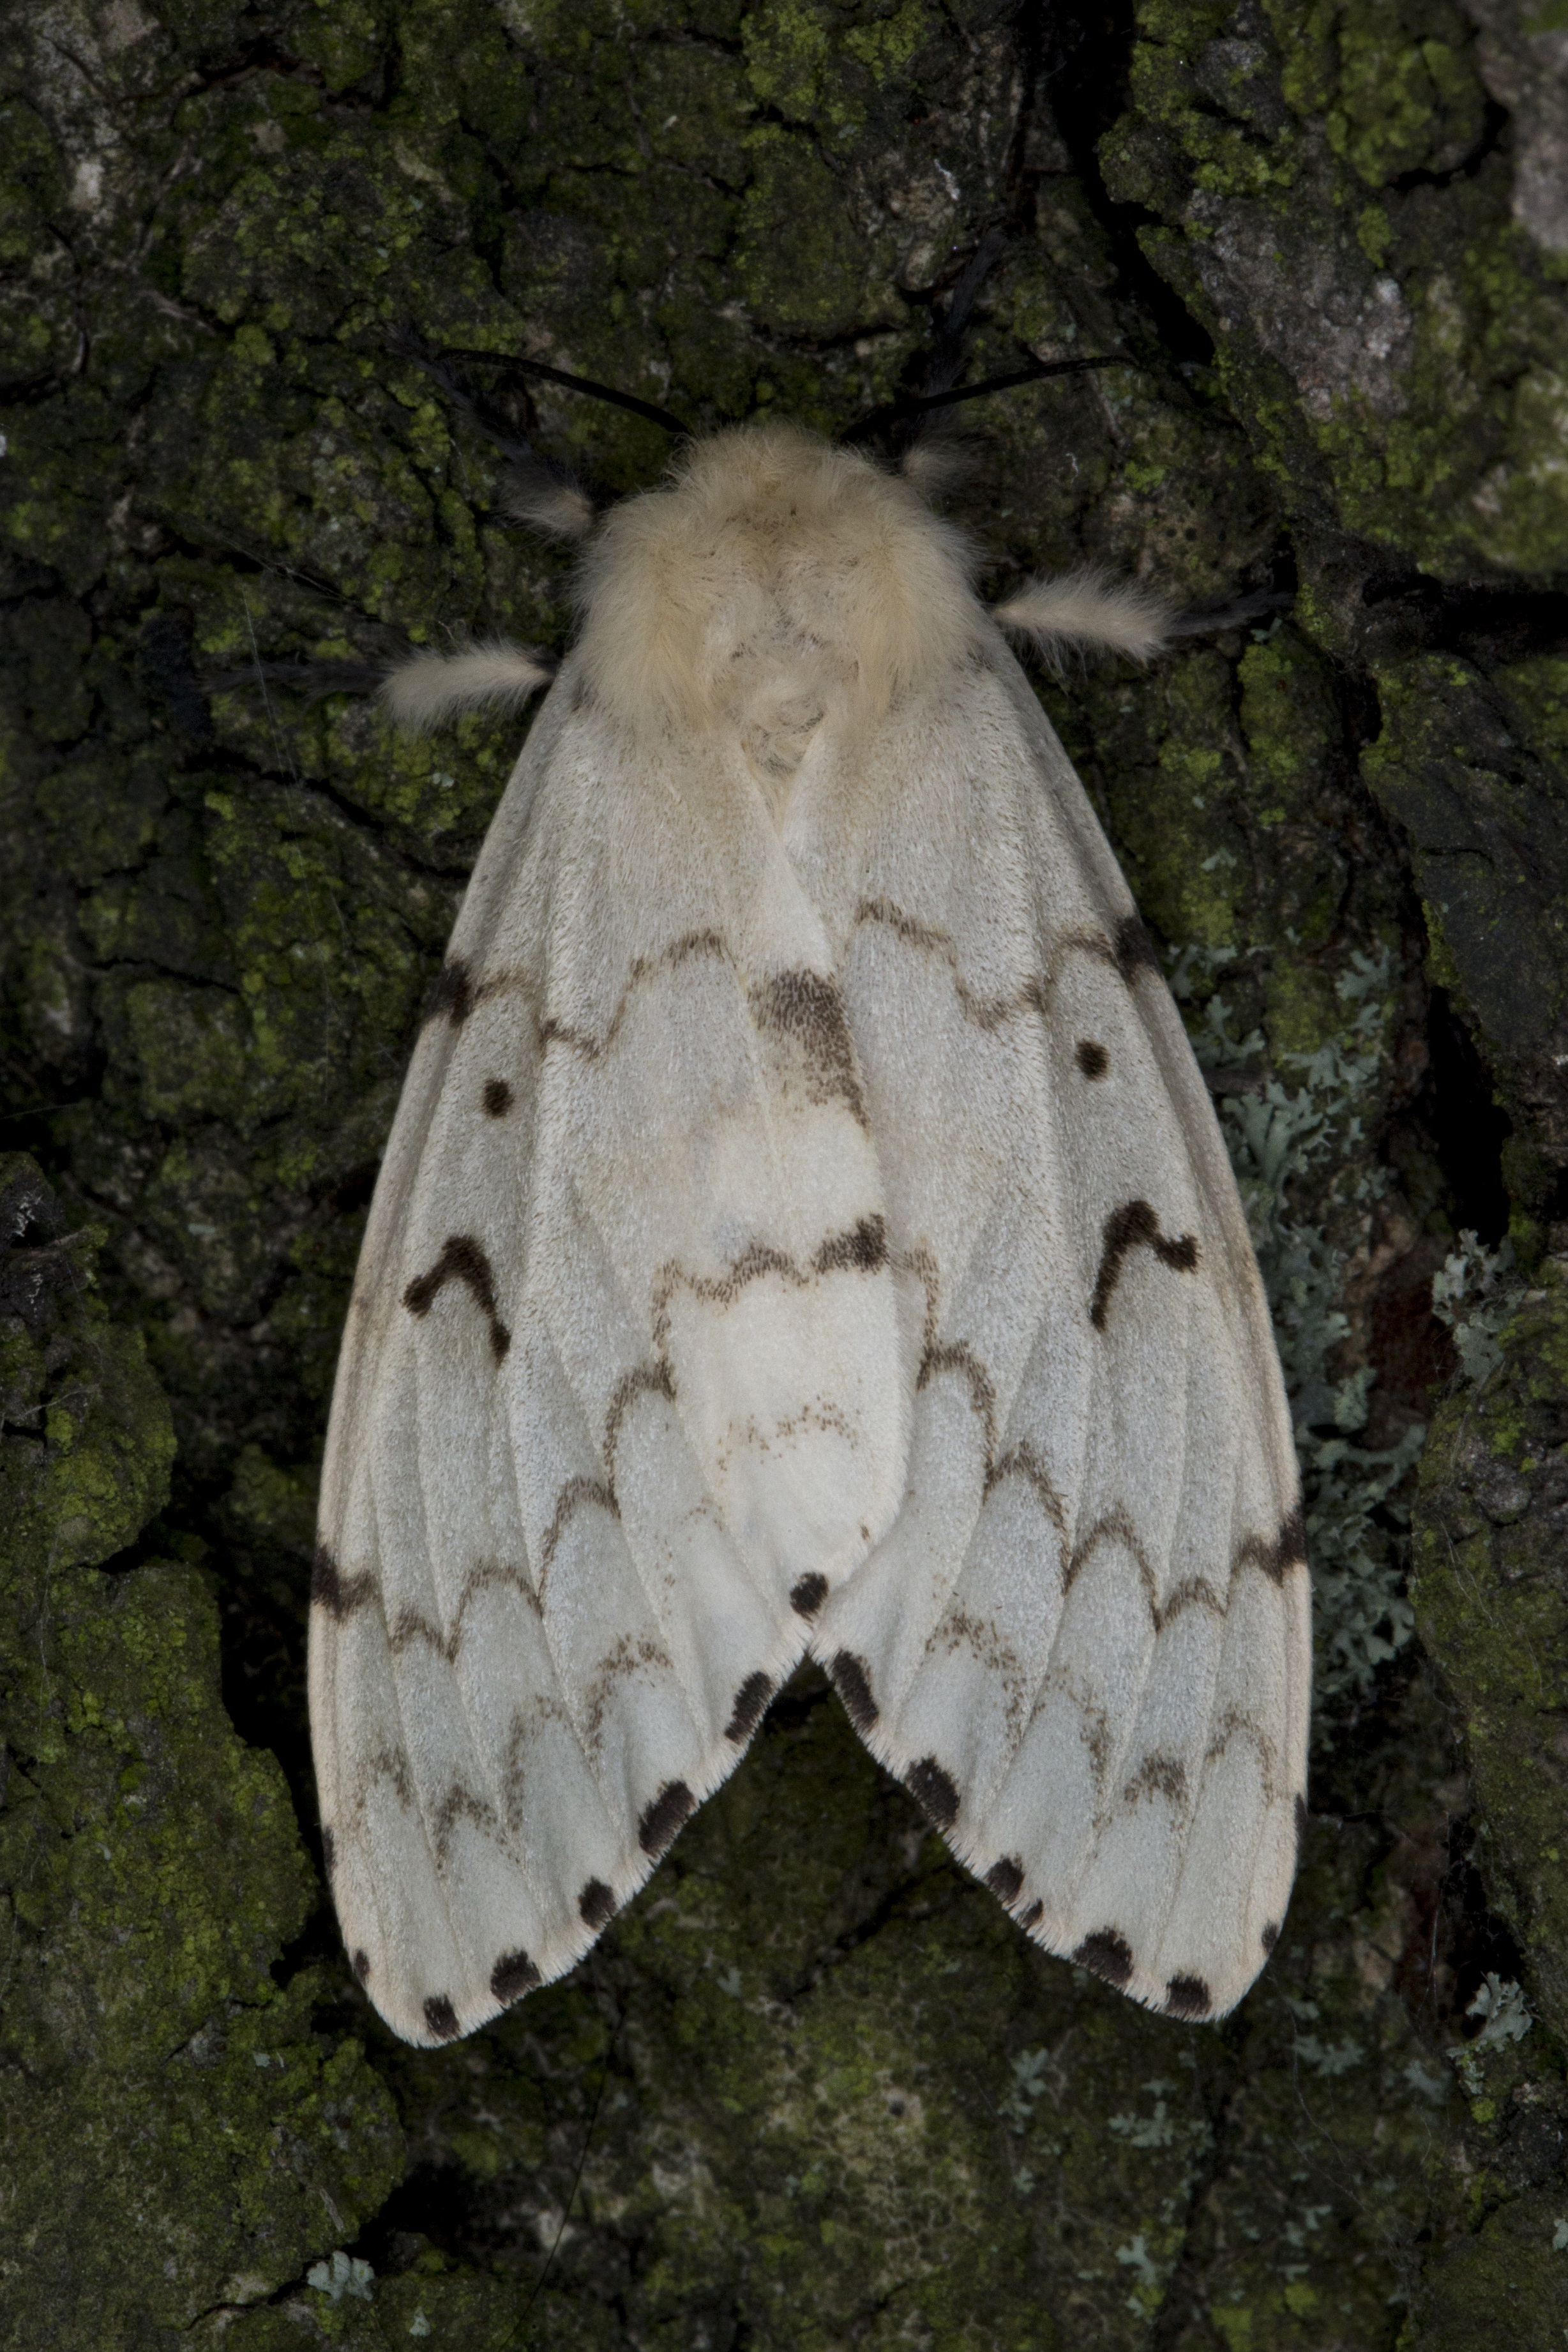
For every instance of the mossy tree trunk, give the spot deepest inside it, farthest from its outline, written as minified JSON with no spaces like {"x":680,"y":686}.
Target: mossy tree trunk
{"x":812,"y":2090}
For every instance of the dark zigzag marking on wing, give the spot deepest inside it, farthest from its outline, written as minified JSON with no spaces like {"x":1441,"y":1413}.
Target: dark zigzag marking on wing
{"x":459,"y":1804}
{"x":343,"y":1597}
{"x":1131,"y":951}
{"x":643,"y":1379}
{"x":803,"y":1007}
{"x":457,"y":993}
{"x":630,"y":1655}
{"x":1159,"y":1776}
{"x":1275,"y":1560}
{"x":1234,"y":1724}
{"x":1022,"y":1461}
{"x":956,"y":1355}
{"x":920,"y":1260}
{"x":984,"y":1011}
{"x":576,"y":1495}
{"x":1288,"y":1550}
{"x":643,"y":968}
{"x":861,"y":1250}
{"x":1134,"y":1225}
{"x":1116,"y":1526}
{"x":412,"y":1625}
{"x":439,"y":1823}
{"x":338,"y":1594}
{"x":464,"y":1260}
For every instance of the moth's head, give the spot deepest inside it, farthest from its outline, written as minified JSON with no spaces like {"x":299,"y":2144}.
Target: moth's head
{"x":777,"y":564}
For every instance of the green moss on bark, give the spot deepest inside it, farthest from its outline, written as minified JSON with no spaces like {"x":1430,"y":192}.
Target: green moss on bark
{"x":177,"y":2124}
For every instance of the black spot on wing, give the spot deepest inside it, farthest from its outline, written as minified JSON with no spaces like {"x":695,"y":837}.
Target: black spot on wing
{"x":513,"y":1975}
{"x":464,"y":1260}
{"x":452,"y":998}
{"x":1188,"y":1997}
{"x":1032,"y":1917}
{"x":852,"y":1681}
{"x":807,"y":1597}
{"x":1135,"y":950}
{"x":595,"y":1904}
{"x":441,"y":2018}
{"x":751,"y":1699}
{"x":497,"y":1097}
{"x":1092,"y":1059}
{"x":663,"y":1817}
{"x":360,"y":1963}
{"x":1107,"y":1953}
{"x":1133,"y":1226}
{"x":1005,"y":1879}
{"x":934,"y":1790}
{"x":1270,"y":1936}
{"x":862,"y":1250}
{"x":338,"y":1594}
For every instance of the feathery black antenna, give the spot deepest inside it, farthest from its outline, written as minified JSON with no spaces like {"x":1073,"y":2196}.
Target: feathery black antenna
{"x":582,"y":383}
{"x":900,"y":412}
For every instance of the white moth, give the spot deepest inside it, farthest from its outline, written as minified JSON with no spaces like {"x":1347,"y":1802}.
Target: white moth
{"x":805,"y":1231}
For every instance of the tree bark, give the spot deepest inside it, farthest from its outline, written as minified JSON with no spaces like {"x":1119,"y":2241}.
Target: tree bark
{"x":813,"y":2089}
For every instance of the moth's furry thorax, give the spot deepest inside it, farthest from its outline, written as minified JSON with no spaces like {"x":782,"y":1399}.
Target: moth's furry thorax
{"x":775,"y":579}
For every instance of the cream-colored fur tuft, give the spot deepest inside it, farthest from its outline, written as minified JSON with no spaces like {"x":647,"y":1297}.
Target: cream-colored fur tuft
{"x":938,"y":462}
{"x":559,"y":510}
{"x":776,"y":578}
{"x":1079,"y":610}
{"x":431,"y":688}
